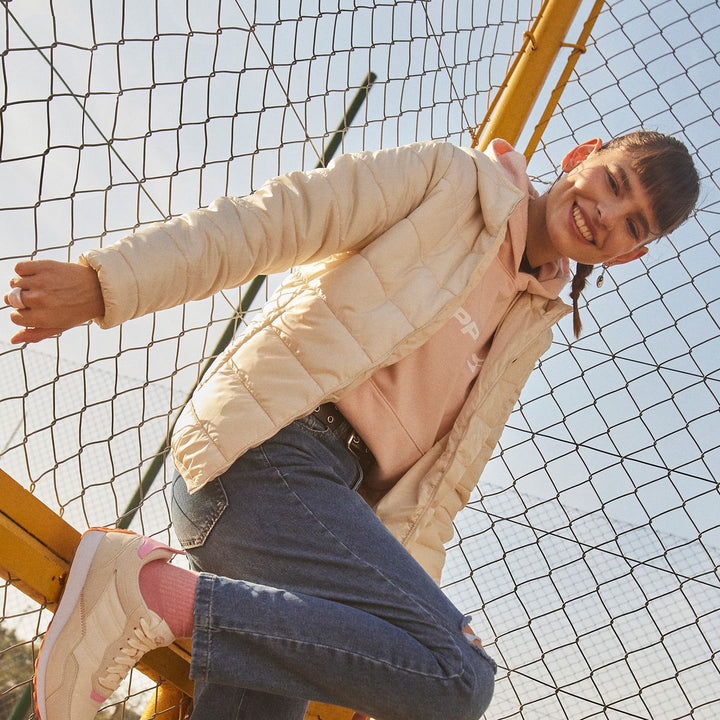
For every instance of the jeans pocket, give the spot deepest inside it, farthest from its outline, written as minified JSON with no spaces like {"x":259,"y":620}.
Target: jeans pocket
{"x":194,"y":516}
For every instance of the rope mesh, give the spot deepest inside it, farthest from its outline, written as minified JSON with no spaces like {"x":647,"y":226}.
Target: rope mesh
{"x":588,"y":555}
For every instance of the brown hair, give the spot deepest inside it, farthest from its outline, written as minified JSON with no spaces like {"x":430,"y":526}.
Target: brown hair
{"x":666,"y":171}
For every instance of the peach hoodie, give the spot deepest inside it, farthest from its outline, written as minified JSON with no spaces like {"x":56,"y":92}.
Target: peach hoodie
{"x":403,"y":409}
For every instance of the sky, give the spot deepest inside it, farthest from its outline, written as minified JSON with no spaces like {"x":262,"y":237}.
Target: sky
{"x":602,"y":499}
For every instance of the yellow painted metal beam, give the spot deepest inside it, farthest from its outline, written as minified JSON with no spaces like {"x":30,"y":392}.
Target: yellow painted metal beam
{"x":509,"y":111}
{"x":168,"y":703}
{"x":320,"y":711}
{"x":31,"y":566}
{"x":36,"y":548}
{"x":577,"y":50}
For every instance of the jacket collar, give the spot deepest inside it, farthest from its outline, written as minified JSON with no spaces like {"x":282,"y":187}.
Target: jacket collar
{"x":498,"y":194}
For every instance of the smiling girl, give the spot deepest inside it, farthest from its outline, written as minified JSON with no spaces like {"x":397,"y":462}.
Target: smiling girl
{"x":326,"y":453}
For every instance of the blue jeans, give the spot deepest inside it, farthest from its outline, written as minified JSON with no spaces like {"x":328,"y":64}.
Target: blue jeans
{"x":304,"y":594}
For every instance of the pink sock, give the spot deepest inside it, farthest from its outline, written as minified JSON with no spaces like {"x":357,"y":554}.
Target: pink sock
{"x":169,"y":591}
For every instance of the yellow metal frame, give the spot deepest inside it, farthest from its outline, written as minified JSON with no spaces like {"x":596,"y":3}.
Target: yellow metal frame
{"x":36,"y":549}
{"x":510,"y":109}
{"x":577,"y":50}
{"x":37,"y":546}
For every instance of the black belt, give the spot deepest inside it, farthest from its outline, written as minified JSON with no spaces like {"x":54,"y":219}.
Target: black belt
{"x":338,"y":424}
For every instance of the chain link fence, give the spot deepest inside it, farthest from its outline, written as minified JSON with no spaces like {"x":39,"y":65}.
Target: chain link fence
{"x":589,"y":553}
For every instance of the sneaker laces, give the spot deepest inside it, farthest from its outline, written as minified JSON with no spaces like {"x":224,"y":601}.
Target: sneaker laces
{"x":140,"y":642}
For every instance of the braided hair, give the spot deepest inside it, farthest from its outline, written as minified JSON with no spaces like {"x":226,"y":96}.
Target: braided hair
{"x":579,"y":282}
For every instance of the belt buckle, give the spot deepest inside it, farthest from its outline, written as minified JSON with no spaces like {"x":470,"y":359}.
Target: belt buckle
{"x":353,"y":444}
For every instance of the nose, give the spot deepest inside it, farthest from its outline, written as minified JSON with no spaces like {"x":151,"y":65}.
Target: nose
{"x":611,"y":211}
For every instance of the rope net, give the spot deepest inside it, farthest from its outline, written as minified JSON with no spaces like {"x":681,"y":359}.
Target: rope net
{"x":588,"y":555}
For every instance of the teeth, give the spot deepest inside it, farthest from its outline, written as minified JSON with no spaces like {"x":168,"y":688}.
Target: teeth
{"x":581,"y":226}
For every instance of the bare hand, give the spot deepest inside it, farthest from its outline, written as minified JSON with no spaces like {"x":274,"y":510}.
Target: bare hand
{"x":56,"y":295}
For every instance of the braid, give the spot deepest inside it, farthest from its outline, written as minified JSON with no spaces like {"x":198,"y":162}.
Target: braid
{"x":578,"y":285}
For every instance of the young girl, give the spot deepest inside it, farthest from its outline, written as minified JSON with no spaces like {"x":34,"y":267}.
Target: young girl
{"x":326,"y":453}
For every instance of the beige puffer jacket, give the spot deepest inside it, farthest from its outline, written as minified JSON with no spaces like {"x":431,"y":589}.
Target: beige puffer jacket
{"x":387,"y":245}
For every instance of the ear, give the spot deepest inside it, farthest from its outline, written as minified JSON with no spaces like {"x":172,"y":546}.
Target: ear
{"x":580,"y":153}
{"x":628,"y":256}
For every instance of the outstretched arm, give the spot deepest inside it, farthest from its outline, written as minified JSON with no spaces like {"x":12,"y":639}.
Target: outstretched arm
{"x":298,"y":218}
{"x":294,"y":219}
{"x":56,"y":296}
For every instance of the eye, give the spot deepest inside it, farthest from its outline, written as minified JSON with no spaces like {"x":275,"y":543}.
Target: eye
{"x":613,"y":182}
{"x":633,"y":230}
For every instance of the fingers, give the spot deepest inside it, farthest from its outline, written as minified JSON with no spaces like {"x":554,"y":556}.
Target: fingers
{"x":35,"y":314}
{"x":21,"y":283}
{"x":32,"y":335}
{"x":31,"y":273}
{"x":18,"y":282}
{"x":27,"y":268}
{"x":24,"y":272}
{"x":471,"y":636}
{"x":14,"y":298}
{"x":23,"y":299}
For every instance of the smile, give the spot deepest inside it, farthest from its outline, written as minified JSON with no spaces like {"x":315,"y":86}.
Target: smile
{"x":581,"y":225}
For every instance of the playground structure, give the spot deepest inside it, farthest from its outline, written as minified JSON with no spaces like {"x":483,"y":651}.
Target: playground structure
{"x":590,"y":552}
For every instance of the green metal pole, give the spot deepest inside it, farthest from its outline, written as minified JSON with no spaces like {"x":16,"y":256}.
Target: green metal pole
{"x":248,"y":298}
{"x":22,"y":706}
{"x":159,"y":458}
{"x":349,"y":116}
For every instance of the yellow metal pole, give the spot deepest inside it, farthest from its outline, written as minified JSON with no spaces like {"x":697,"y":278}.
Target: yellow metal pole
{"x":514,"y":101}
{"x":577,"y":51}
{"x":36,"y":545}
{"x":36,"y":548}
{"x":320,"y":711}
{"x":168,"y":703}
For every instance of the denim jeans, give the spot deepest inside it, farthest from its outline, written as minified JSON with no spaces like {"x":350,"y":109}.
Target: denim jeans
{"x":304,"y":594}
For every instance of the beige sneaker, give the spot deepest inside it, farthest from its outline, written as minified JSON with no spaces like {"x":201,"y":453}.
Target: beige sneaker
{"x":102,"y":625}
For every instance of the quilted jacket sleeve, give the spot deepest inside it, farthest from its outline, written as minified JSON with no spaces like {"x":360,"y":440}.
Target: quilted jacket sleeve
{"x":297,"y":218}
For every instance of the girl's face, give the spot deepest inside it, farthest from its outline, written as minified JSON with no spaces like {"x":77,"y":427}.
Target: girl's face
{"x":597,"y":211}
